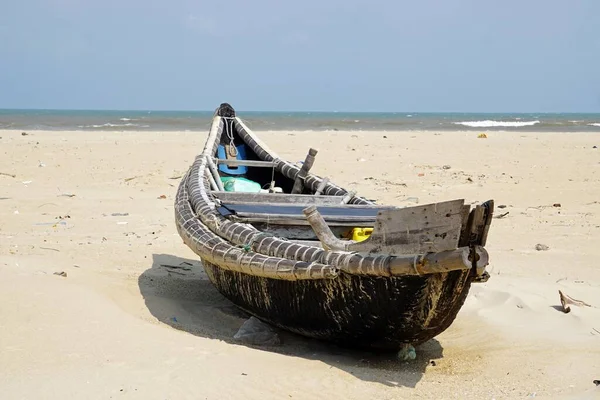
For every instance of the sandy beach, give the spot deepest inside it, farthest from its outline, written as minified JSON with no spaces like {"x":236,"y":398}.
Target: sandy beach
{"x":89,"y":311}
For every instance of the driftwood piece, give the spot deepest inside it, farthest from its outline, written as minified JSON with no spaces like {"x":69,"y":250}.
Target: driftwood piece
{"x":565,"y":300}
{"x":7,"y":174}
{"x":306,"y":166}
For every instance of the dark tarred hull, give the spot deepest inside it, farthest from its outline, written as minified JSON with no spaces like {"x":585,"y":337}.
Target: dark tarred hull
{"x":356,"y":311}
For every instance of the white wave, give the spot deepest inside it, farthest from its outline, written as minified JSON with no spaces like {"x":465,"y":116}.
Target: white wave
{"x":594,"y":124}
{"x":109,"y":125}
{"x":127,"y":119}
{"x":488,"y":123}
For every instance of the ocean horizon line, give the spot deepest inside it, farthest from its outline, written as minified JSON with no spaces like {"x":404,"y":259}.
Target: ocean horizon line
{"x":180,"y":120}
{"x":158,"y":110}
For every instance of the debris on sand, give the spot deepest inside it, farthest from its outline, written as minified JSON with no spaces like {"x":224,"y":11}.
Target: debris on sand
{"x":184,"y":266}
{"x":541,"y":247}
{"x":49,"y":248}
{"x":61,"y":273}
{"x":565,"y":300}
{"x":407,"y":353}
{"x":256,"y":332}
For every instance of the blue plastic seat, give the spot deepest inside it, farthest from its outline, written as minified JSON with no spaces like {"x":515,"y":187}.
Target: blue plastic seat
{"x":241,"y":155}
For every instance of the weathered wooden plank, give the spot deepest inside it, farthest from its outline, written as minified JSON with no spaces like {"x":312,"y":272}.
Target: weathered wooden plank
{"x":296,"y":208}
{"x":246,"y":163}
{"x":414,"y":230}
{"x":292,"y":219}
{"x":280,"y":198}
{"x":297,"y":221}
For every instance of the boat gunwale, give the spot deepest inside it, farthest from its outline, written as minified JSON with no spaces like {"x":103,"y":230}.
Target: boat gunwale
{"x":376,"y":265}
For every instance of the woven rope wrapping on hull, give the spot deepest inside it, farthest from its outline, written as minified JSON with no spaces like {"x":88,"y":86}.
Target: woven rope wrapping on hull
{"x":248,"y":237}
{"x":216,"y":250}
{"x":196,"y":187}
{"x":245,"y":235}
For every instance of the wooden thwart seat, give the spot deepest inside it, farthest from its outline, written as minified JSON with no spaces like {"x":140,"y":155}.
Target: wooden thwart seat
{"x":281,"y":198}
{"x":291,"y":213}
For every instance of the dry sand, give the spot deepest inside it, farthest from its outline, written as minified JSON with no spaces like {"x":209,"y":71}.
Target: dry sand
{"x":121,"y":326}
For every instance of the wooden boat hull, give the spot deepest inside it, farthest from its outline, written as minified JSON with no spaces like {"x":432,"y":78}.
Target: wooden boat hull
{"x":361,"y":312}
{"x":403,"y":285}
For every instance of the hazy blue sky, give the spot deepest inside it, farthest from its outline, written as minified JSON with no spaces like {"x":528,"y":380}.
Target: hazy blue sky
{"x":468,"y":55}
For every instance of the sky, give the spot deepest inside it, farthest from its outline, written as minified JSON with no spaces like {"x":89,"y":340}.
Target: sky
{"x":309,"y":55}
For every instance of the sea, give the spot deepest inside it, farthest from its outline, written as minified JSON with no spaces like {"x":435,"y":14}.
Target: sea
{"x":102,"y":120}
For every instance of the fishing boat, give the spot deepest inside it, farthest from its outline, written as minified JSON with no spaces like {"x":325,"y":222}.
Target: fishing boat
{"x":303,"y":254}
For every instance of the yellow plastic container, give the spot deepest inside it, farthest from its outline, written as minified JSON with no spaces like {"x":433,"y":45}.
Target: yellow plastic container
{"x":360,"y":234}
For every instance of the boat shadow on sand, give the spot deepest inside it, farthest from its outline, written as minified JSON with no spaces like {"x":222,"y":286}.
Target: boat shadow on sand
{"x":178,"y":293}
